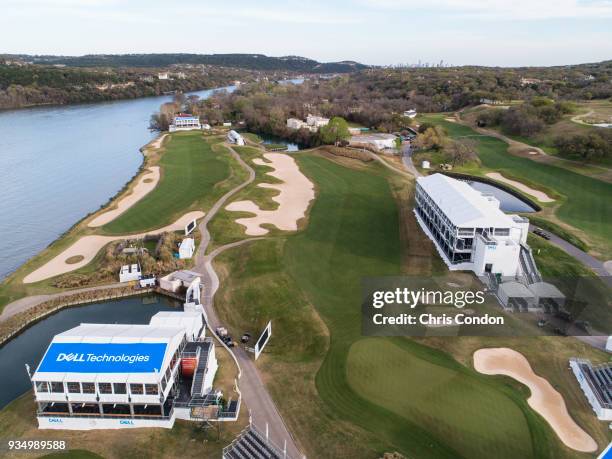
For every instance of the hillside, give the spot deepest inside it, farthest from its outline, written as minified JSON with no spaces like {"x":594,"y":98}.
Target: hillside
{"x":245,"y":61}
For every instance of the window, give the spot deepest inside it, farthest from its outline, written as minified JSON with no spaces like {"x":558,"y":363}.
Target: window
{"x":105,"y":388}
{"x":74,"y":388}
{"x":89,"y":388}
{"x":42,"y":386}
{"x":120,"y":388}
{"x":136,"y":389}
{"x":151,"y":389}
{"x":57,"y":387}
{"x":502,"y":232}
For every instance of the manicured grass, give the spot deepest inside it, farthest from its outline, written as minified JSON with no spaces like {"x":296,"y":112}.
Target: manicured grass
{"x":72,"y":454}
{"x":191,"y":172}
{"x":471,"y":415}
{"x":587,"y":204}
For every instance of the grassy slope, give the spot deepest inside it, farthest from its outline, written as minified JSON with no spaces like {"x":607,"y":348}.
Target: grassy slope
{"x":190,"y":178}
{"x":587,"y":204}
{"x":352,"y":232}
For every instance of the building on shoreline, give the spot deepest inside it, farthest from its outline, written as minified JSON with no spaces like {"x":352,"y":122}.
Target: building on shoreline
{"x":116,"y":376}
{"x":185,"y":122}
{"x":312,"y":123}
{"x":596,"y":383}
{"x":129,"y":273}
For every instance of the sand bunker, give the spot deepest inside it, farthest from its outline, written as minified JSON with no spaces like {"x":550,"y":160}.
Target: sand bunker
{"x":145,"y":185}
{"x":452,"y":120}
{"x":88,"y":246}
{"x":157,"y":142}
{"x":544,"y":399}
{"x":296,"y":192}
{"x":539,"y":195}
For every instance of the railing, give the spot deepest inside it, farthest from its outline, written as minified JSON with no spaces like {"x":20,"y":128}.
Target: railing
{"x":108,"y":416}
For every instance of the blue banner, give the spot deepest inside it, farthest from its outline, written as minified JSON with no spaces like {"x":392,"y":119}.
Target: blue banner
{"x":103,"y":358}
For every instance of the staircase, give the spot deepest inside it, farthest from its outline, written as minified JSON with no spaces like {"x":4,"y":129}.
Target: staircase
{"x":528,"y":266}
{"x":197,"y":386}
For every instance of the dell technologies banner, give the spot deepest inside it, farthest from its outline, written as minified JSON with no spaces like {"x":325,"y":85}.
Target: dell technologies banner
{"x":461,"y":305}
{"x":103,"y":357}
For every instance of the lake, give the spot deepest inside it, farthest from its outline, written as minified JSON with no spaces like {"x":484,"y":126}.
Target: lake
{"x":30,"y":346}
{"x":59,"y":163}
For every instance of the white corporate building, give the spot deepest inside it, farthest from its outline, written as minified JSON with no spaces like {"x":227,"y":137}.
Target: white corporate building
{"x":185,"y":122}
{"x":113,"y":376}
{"x":596,"y":383}
{"x":469,"y":230}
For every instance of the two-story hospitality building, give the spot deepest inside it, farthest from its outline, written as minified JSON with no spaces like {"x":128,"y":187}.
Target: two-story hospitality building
{"x":468,"y":228}
{"x":111,"y":376}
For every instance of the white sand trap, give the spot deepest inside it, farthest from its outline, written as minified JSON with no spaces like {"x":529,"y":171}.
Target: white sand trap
{"x":544,"y":399}
{"x":89,"y":246}
{"x":157,"y":142}
{"x":145,"y":185}
{"x":452,"y":120}
{"x":539,"y":195}
{"x":296,"y":192}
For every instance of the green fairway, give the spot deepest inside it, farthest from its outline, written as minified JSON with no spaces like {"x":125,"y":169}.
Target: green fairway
{"x":587,"y":204}
{"x":474,"y":417}
{"x":191,"y":172}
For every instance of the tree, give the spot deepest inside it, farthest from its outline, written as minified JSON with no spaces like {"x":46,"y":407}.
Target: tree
{"x":461,"y":151}
{"x":335,"y":131}
{"x":434,"y":138}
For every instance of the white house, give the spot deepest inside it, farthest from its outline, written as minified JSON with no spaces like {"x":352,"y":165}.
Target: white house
{"x":163,"y":76}
{"x":378,"y":141}
{"x":470,"y":231}
{"x":412,"y":113}
{"x":129,"y":273}
{"x":118,"y":376}
{"x":294,"y":123}
{"x":595,"y":383}
{"x":176,"y":280}
{"x":316,"y":121}
{"x":185,"y":122}
{"x":186,"y":248}
{"x":235,"y":138}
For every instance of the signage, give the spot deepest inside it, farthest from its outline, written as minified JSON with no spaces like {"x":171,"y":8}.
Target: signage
{"x":263,"y":340}
{"x":103,"y":357}
{"x":190,"y":227}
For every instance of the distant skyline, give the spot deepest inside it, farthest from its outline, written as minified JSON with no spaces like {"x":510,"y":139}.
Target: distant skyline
{"x":379,"y":32}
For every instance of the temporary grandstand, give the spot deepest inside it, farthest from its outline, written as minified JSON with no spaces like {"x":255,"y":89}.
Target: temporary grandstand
{"x":596,"y":383}
{"x":252,"y":444}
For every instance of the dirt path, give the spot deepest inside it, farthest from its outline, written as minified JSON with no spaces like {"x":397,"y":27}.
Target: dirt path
{"x":544,"y":398}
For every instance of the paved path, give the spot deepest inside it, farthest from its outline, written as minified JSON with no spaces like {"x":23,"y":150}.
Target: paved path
{"x":28,"y":302}
{"x":251,"y":386}
{"x":407,"y":160}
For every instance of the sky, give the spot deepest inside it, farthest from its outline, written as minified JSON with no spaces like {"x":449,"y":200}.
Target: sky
{"x":379,"y":32}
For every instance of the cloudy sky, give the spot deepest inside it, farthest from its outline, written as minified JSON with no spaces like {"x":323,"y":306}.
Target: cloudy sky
{"x":486,"y":32}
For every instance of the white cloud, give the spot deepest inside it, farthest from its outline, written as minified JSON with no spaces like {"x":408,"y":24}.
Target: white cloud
{"x":504,"y":9}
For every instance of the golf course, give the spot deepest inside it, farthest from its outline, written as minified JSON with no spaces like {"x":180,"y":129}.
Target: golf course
{"x":369,"y":395}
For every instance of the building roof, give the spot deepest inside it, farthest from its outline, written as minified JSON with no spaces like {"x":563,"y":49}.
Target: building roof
{"x":90,"y":350}
{"x":183,"y":275}
{"x":373,"y":137}
{"x":463,"y":205}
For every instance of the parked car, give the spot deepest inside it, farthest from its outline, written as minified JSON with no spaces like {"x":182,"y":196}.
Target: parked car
{"x":541,"y":233}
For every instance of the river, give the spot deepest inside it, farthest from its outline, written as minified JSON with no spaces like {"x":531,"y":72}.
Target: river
{"x":59,"y":163}
{"x":29,"y":346}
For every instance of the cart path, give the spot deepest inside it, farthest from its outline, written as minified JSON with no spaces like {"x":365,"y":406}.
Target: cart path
{"x":251,"y":386}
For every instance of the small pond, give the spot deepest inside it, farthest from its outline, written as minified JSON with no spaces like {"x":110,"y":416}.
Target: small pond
{"x":272,"y":140}
{"x":30,"y":346}
{"x":507,"y":201}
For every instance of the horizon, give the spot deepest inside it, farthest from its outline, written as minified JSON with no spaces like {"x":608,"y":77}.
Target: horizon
{"x":388,"y":32}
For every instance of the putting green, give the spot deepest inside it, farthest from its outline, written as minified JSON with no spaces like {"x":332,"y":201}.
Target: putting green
{"x":473,"y":417}
{"x":190,"y":173}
